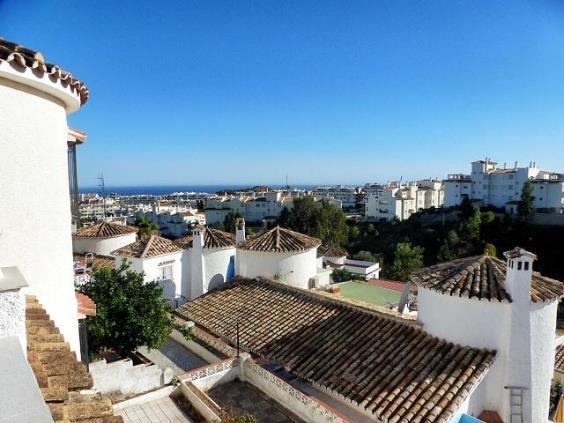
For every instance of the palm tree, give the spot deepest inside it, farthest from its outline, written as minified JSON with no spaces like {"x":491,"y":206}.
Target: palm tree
{"x":146,"y":226}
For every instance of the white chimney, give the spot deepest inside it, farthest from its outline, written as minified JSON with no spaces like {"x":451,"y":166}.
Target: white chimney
{"x":197,"y":262}
{"x":240,"y":231}
{"x":531,"y":346}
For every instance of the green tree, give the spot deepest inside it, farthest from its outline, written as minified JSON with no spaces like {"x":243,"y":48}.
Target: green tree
{"x":407,"y":259}
{"x":372,"y":229}
{"x":341,"y":275}
{"x":322,"y":220}
{"x":230,"y":221}
{"x":331,"y":225}
{"x":526,"y":207}
{"x":129,"y":312}
{"x":447,"y":250}
{"x":145,"y":226}
{"x":491,"y":250}
{"x":466,"y":207}
{"x":470,"y":228}
{"x":355,"y":232}
{"x":366,"y":256}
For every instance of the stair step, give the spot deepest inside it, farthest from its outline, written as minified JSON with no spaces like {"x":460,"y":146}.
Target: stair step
{"x":39,"y":323}
{"x":57,"y":394}
{"x":51,"y":357}
{"x":87,"y":408}
{"x":42,"y":330}
{"x":49,"y":346}
{"x":48,"y":337}
{"x":36,"y":314}
{"x":74,"y":381}
{"x":63,"y":368}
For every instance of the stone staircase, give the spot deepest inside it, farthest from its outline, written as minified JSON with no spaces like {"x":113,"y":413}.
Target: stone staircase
{"x":59,"y":374}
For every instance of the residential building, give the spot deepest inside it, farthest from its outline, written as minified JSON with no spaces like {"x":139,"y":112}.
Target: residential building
{"x":490,"y":185}
{"x":39,"y":310}
{"x":477,"y":343}
{"x":499,"y":306}
{"x":103,"y":238}
{"x":335,"y":258}
{"x":159,"y":259}
{"x":397,"y":201}
{"x":346,"y":196}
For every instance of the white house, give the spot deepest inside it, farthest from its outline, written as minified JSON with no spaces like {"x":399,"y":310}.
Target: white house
{"x":335,"y":258}
{"x":35,"y":99}
{"x":103,"y":238}
{"x":490,"y":185}
{"x":159,"y":259}
{"x":208,"y":260}
{"x":283,"y":255}
{"x":503,"y":306}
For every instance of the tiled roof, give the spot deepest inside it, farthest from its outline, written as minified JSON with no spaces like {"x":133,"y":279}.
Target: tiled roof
{"x":559,"y":359}
{"x":20,"y":56}
{"x":481,"y":278}
{"x":86,"y":306}
{"x":185,"y":242}
{"x":146,"y":247}
{"x":325,"y":251}
{"x":104,"y":230}
{"x":214,"y":238}
{"x":281,"y":240}
{"x":59,"y":374}
{"x":392,"y":369}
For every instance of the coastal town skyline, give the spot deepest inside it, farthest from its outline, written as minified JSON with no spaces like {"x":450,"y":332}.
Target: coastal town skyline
{"x":363,"y":92}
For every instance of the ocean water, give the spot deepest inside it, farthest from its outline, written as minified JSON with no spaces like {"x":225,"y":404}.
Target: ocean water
{"x":168,"y":189}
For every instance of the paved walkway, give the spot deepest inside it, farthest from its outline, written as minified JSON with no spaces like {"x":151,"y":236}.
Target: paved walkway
{"x":162,"y":410}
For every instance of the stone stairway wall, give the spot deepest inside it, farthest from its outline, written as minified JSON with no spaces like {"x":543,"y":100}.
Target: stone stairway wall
{"x":61,"y":377}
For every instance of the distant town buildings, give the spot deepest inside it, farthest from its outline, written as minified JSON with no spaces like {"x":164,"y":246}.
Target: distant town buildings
{"x":491,"y":185}
{"x":400,"y":201}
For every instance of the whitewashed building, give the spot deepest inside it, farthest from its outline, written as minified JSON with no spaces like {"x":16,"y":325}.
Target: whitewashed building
{"x":504,"y":307}
{"x":159,"y":259}
{"x":103,"y":238}
{"x":490,"y":185}
{"x":35,"y":99}
{"x":335,"y":258}
{"x":346,"y":196}
{"x":396,"y":201}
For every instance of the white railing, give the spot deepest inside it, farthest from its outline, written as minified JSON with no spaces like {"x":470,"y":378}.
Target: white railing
{"x":307,"y":401}
{"x":212,"y":369}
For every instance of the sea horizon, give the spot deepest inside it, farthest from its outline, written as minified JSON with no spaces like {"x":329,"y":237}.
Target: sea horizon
{"x":169,"y":189}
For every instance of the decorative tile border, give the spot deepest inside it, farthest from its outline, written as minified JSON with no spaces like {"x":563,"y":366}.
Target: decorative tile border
{"x":214,"y":342}
{"x":212,"y":369}
{"x":306,"y":400}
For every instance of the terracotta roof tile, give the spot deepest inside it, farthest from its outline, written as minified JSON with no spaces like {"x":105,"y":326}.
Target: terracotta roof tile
{"x":22,"y":57}
{"x":280,"y":240}
{"x":214,"y":238}
{"x":325,"y":251}
{"x":86,"y":306}
{"x":146,"y":247}
{"x":392,"y":369}
{"x":559,"y":359}
{"x":104,"y":230}
{"x":482,"y":278}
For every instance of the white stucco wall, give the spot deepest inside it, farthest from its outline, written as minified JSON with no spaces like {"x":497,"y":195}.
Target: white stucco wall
{"x":474,"y":323}
{"x":151,"y":268}
{"x":35,"y":218}
{"x":209,"y":268}
{"x":12,"y":315}
{"x":292,"y":268}
{"x":103,"y":246}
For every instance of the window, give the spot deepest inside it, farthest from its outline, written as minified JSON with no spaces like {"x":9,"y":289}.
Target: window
{"x":519,"y":265}
{"x":526,"y":265}
{"x":165,"y":272}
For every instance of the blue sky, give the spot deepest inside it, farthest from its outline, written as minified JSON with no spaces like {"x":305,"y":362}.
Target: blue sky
{"x":206,"y":92}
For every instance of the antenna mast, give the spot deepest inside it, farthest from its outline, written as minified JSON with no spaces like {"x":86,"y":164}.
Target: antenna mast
{"x":103,"y":191}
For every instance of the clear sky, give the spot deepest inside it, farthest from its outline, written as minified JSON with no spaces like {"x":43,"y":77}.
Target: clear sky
{"x":205,"y":92}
